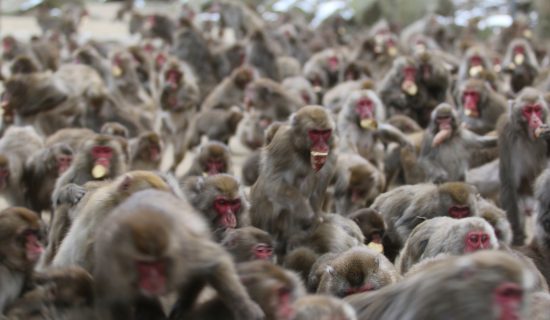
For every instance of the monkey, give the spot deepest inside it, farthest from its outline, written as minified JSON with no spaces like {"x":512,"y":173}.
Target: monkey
{"x":192,"y":47}
{"x":479,"y":106}
{"x":41,"y":172}
{"x":242,"y":19}
{"x":538,"y":249}
{"x":220,"y":199}
{"x":357,"y":183}
{"x":261,"y":55}
{"x":126,"y":81}
{"x":16,"y":146}
{"x":296,"y":168}
{"x":64,"y":293}
{"x":372,"y":226}
{"x":448,"y":236}
{"x":92,"y":57}
{"x":213,"y":158}
{"x":522,"y":143}
{"x":218,"y":125}
{"x":115,"y":129}
{"x":382,"y":48}
{"x":20,"y":247}
{"x":521,"y":63}
{"x":322,"y":307}
{"x":405,"y":124}
{"x":361,"y":129}
{"x":475,"y":61}
{"x":491,"y":283}
{"x":171,"y":250}
{"x":354,"y":70}
{"x":446,"y":148}
{"x":301,"y":88}
{"x":270,"y":99}
{"x":23,"y":65}
{"x":78,"y":245}
{"x":335,"y":97}
{"x":359,"y":269}
{"x":145,"y":152}
{"x":248,"y":244}
{"x":230,"y":91}
{"x":228,"y":58}
{"x":159,"y":26}
{"x":272,"y":287}
{"x":326,"y":66}
{"x":291,"y":41}
{"x":288,"y":67}
{"x":99,"y":157}
{"x":44,"y":54}
{"x":405,"y":207}
{"x":251,"y":129}
{"x":402,"y":92}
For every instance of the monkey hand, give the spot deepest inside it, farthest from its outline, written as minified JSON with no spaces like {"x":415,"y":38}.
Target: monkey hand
{"x":543,"y":131}
{"x":70,"y":194}
{"x":250,"y":311}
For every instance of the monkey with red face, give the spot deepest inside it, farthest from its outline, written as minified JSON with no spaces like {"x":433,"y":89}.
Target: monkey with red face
{"x":296,"y":169}
{"x":248,"y":244}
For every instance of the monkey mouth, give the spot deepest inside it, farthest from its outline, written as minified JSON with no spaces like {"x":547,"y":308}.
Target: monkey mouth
{"x":319,"y":153}
{"x":318,"y":159}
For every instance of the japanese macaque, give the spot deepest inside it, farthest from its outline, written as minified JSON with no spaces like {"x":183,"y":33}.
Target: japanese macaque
{"x":44,"y":54}
{"x":213,"y":158}
{"x":100,"y":157}
{"x":261,"y":55}
{"x":322,"y":307}
{"x":20,"y":248}
{"x":474,"y":63}
{"x":220,"y":199}
{"x":251,"y":130}
{"x":163,"y":246}
{"x":115,"y":129}
{"x":521,"y":63}
{"x":190,"y":46}
{"x":230,"y":91}
{"x":361,"y":129}
{"x":405,"y":207}
{"x":95,"y":206}
{"x":402,"y":92}
{"x":381,"y":49}
{"x":336,"y":96}
{"x":435,"y":77}
{"x":272,"y":287}
{"x":448,"y":236}
{"x":357,"y":270}
{"x":492,"y":284}
{"x":445,"y":150}
{"x":126,"y":81}
{"x":270,"y":99}
{"x":296,"y":168}
{"x":371,"y":224}
{"x":249,"y":244}
{"x":145,"y":151}
{"x":538,"y":249}
{"x":497,"y":219}
{"x":326,"y":65}
{"x":64,"y":293}
{"x":159,"y":26}
{"x":41,"y":172}
{"x":16,"y":146}
{"x":218,"y":125}
{"x":523,"y":153}
{"x":479,"y":106}
{"x":301,"y":88}
{"x":357,"y":183}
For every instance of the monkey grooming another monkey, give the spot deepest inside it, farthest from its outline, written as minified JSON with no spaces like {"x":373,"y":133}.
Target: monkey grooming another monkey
{"x":163,"y":246}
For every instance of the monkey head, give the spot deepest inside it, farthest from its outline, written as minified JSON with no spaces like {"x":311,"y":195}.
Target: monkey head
{"x":218,"y":197}
{"x":21,"y":234}
{"x":242,"y":76}
{"x":312,"y":129}
{"x":477,"y":234}
{"x":530,"y":113}
{"x":365,"y":109}
{"x":102,"y":154}
{"x":251,"y":129}
{"x":472,"y":97}
{"x":248,"y":244}
{"x":457,"y":200}
{"x":9,"y":47}
{"x":318,"y":79}
{"x":385,"y":44}
{"x":177,"y":94}
{"x":149,"y":147}
{"x":475,"y":62}
{"x":408,"y":73}
{"x":371,"y":224}
{"x":63,"y":157}
{"x":214,"y":158}
{"x":443,"y":124}
{"x":519,"y":52}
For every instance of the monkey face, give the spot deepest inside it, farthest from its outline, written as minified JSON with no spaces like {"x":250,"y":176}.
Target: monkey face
{"x":227,"y":209}
{"x":319,"y":150}
{"x":365,"y":110}
{"x":101,"y":156}
{"x":533,"y":115}
{"x":471,"y":103}
{"x":409,"y":84}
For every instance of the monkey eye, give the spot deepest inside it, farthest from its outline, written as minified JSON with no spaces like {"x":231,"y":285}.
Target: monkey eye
{"x":484,"y":238}
{"x":474,"y":238}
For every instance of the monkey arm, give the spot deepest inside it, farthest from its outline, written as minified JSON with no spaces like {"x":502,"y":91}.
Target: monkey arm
{"x":473,"y":140}
{"x":389,"y":133}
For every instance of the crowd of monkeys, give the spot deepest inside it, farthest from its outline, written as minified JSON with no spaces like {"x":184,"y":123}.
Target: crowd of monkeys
{"x":389,"y":174}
